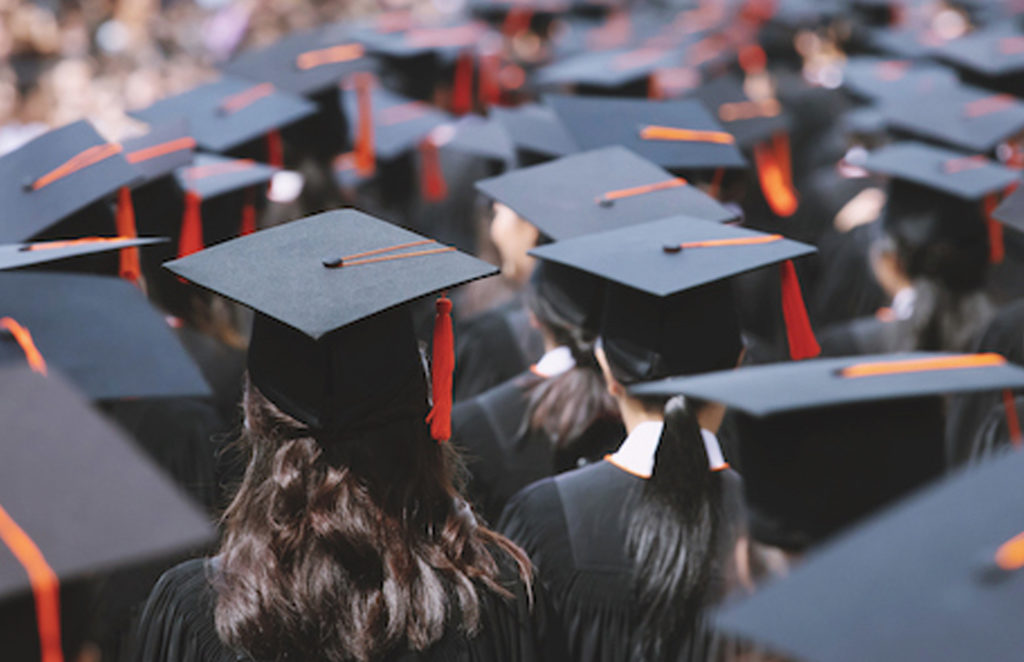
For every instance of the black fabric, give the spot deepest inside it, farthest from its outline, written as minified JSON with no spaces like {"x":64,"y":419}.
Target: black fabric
{"x":178,"y":626}
{"x":493,"y":347}
{"x":503,"y":455}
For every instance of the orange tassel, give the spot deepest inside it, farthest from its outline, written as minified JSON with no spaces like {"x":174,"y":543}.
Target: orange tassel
{"x":996,"y":249}
{"x":517,"y":20}
{"x":191,"y":239}
{"x":442,"y":369}
{"x":462,"y":86}
{"x":365,"y":156}
{"x":129,"y":269}
{"x":1012,"y":422}
{"x":22,"y":336}
{"x":275,"y":149}
{"x":488,"y":87}
{"x":799,"y":334}
{"x":248,"y":225}
{"x":774,"y":171}
{"x":432,"y":184}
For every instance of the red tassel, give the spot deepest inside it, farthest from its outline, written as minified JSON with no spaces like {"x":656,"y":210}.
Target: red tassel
{"x":517,"y":20}
{"x":191,"y":240}
{"x":1012,"y":422}
{"x":488,"y":87}
{"x":462,"y":86}
{"x":248,"y":225}
{"x":432,"y":184}
{"x":442,"y":369}
{"x":365,"y":156}
{"x":775,"y":173}
{"x":799,"y":334}
{"x":275,"y":149}
{"x":129,"y":269}
{"x":996,"y":249}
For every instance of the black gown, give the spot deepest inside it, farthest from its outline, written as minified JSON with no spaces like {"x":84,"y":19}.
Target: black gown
{"x":574,"y":528}
{"x":503,"y":456}
{"x":177,"y":624}
{"x":492,"y":347}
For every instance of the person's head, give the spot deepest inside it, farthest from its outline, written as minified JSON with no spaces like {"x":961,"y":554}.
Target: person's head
{"x":513,"y":236}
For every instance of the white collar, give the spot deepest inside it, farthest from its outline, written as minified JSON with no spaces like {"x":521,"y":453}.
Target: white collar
{"x":903,"y":303}
{"x":554,"y":362}
{"x":636,"y":454}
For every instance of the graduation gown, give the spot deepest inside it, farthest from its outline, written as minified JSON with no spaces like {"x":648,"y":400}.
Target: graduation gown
{"x":177,"y":624}
{"x":574,"y":527}
{"x":493,"y":347}
{"x":503,"y":455}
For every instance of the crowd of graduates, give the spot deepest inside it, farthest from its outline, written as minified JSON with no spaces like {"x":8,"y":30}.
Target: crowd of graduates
{"x":512,"y":330}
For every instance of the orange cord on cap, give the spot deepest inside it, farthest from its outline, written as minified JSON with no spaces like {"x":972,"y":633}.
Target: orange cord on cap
{"x":996,"y":248}
{"x":245,"y":98}
{"x":83,"y":159}
{"x":44,"y":582}
{"x":366,"y":256}
{"x":248,"y":225}
{"x":365,"y":155}
{"x":125,"y":219}
{"x":28,"y":346}
{"x":775,"y":174}
{"x":618,"y":194}
{"x":652,"y":132}
{"x":959,"y":362}
{"x":432,"y":183}
{"x":333,"y":55}
{"x":67,"y":243}
{"x":1012,"y":421}
{"x":462,"y":84}
{"x":1010,"y":555}
{"x":738,"y":241}
{"x":989,"y":105}
{"x":442,"y":369}
{"x":191,"y":239}
{"x":161,"y":149}
{"x":194,"y":173}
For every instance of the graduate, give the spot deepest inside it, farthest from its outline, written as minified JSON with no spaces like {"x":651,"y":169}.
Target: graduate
{"x":633,"y":548}
{"x":347,"y":538}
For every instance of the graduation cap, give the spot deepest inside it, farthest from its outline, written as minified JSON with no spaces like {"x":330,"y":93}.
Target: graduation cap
{"x":599,"y":190}
{"x":229,"y":112}
{"x":98,"y":331}
{"x":76,"y":498}
{"x":212,"y":177}
{"x":18,"y":256}
{"x":608,"y":70}
{"x":961,"y":187}
{"x":936,"y":577}
{"x":386,"y":126}
{"x":332,"y":342}
{"x":161,"y":150}
{"x":905,"y":42}
{"x":56,"y":176}
{"x":875,"y":78}
{"x":536,"y":131}
{"x":669,"y":308}
{"x":825,"y":442}
{"x":993,"y":53}
{"x":482,"y":137}
{"x":762,"y":128}
{"x":677,"y":135}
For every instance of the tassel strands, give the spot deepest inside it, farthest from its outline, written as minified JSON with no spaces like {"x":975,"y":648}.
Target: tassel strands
{"x":365,"y":155}
{"x":129,"y":268}
{"x":799,"y":334}
{"x":432,"y":184}
{"x":191,"y":239}
{"x":442,"y":370}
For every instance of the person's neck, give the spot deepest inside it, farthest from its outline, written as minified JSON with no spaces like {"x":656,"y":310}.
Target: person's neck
{"x":634,"y":412}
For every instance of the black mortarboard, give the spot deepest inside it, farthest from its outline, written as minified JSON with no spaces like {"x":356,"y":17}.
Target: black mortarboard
{"x":535,"y":130}
{"x":98,"y":331}
{"x":904,"y":42}
{"x":669,"y":308}
{"x":332,"y":342}
{"x":964,"y":117}
{"x":210,"y":175}
{"x":305,"y":62}
{"x":751,"y":122}
{"x":677,"y":135}
{"x":76,"y":498}
{"x":229,"y":112}
{"x":608,"y":69}
{"x":991,"y":53}
{"x":446,"y":39}
{"x":599,"y":190}
{"x":17,"y":256}
{"x":966,"y":177}
{"x":56,"y":175}
{"x":823,"y":443}
{"x":885,"y":79}
{"x":399,"y":123}
{"x":937,"y":577}
{"x":474,"y":135}
{"x":571,"y":296}
{"x":161,"y":151}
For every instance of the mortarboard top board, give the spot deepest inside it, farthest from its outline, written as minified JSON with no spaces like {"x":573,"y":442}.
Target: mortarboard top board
{"x":1011,"y":210}
{"x":990,"y":53}
{"x":477,"y":136}
{"x":229,"y":112}
{"x":535,"y":128}
{"x":161,"y":151}
{"x":677,"y":135}
{"x":904,"y":42}
{"x":964,"y":117}
{"x":749,"y":121}
{"x":936,"y":577}
{"x":100,"y":332}
{"x":56,"y":175}
{"x":331,"y":338}
{"x":778,"y":388}
{"x":608,"y":69}
{"x":883,"y":79}
{"x":603,"y":189}
{"x":446,"y":39}
{"x":969,"y":178}
{"x":305,"y":63}
{"x":210,"y":175}
{"x":17,"y":256}
{"x":399,"y":123}
{"x":86,"y":496}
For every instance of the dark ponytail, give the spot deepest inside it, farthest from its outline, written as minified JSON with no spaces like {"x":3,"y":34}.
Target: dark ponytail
{"x":673,"y":539}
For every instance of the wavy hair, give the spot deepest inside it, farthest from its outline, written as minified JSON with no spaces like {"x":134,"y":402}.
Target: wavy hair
{"x":347,"y":546}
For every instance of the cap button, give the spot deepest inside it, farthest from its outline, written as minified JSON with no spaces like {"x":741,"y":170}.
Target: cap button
{"x":333,"y":262}
{"x":605,"y":202}
{"x":672,"y":248}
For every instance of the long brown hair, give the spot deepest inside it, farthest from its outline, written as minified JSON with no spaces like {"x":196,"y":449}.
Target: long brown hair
{"x":346,"y":546}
